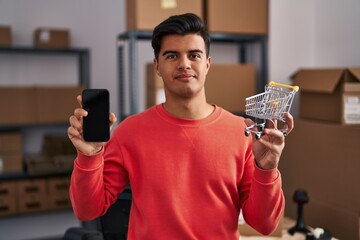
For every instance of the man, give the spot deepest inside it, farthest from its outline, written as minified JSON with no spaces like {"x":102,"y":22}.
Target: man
{"x":189,"y":164}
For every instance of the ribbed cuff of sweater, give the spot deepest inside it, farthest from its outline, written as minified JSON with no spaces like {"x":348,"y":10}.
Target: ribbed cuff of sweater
{"x":266,"y":176}
{"x":89,"y":162}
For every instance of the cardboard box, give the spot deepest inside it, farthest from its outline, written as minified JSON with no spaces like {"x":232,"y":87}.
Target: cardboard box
{"x":7,"y":206}
{"x":57,"y":145}
{"x":227,"y":85}
{"x":237,"y":16}
{"x":41,"y":104}
{"x":323,"y":159}
{"x":38,"y":165}
{"x":58,"y":192}
{"x":329,"y":94}
{"x":57,"y":202}
{"x":51,"y":37}
{"x":8,"y":198}
{"x":58,"y":185}
{"x":154,"y":87}
{"x":146,"y":14}
{"x":5,"y":36}
{"x":11,"y":153}
{"x":32,"y":195}
{"x":21,"y":109}
{"x":55,"y":104}
{"x":11,"y":162}
{"x":10,"y":142}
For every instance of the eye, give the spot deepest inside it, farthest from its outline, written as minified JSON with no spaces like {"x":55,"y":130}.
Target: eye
{"x":195,"y":56}
{"x":171,"y":56}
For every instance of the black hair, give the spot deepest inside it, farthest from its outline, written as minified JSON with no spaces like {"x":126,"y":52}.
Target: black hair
{"x":180,"y":24}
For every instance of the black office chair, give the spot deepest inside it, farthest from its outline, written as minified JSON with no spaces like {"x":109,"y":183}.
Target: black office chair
{"x":111,"y":226}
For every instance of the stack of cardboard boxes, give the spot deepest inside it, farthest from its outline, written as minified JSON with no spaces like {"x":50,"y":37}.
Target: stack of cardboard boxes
{"x":31,"y":106}
{"x":322,"y":152}
{"x":34,"y":195}
{"x":37,"y":104}
{"x":230,"y":16}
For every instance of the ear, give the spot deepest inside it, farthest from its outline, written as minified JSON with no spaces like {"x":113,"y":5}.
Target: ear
{"x":208,"y":63}
{"x":156,"y":67}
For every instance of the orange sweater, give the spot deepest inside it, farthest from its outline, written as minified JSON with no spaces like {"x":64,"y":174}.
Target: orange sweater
{"x":189,"y":178}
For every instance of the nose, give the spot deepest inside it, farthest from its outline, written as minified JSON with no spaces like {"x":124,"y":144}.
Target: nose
{"x":184,"y":63}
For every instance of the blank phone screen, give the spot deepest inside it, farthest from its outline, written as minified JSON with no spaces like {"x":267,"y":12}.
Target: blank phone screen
{"x":96,"y":124}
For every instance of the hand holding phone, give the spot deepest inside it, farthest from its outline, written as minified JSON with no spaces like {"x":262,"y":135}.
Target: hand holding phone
{"x":96,"y":125}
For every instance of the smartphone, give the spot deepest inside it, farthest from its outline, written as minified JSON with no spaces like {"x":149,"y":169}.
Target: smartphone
{"x":96,"y":125}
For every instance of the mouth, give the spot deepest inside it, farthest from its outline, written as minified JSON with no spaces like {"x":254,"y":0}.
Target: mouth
{"x":184,"y":77}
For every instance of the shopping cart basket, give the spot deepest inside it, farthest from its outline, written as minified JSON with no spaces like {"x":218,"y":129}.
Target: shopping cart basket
{"x":270,"y":105}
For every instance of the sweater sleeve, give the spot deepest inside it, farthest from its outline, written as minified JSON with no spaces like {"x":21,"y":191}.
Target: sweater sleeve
{"x":96,"y":182}
{"x":262,"y":199}
{"x":265,"y":204}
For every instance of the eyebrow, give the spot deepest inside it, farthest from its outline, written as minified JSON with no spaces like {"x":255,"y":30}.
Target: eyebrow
{"x":176,"y":52}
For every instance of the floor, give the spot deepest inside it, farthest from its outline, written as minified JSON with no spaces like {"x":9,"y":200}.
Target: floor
{"x":39,"y":226}
{"x":287,"y":223}
{"x":52,"y":226}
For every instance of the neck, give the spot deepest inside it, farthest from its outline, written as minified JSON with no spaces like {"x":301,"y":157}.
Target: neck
{"x":189,"y":110}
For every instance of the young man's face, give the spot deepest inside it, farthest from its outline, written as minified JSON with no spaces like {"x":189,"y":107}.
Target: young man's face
{"x":183,"y":65}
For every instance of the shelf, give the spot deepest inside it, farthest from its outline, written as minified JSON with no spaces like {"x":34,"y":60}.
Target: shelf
{"x":133,"y":36}
{"x":24,"y":175}
{"x":215,"y":37}
{"x":17,"y":127}
{"x":83,"y":55}
{"x":31,"y":50}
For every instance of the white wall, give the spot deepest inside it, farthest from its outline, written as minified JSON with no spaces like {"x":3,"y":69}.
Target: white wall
{"x":307,"y":33}
{"x":337,"y":33}
{"x":302,"y":33}
{"x":93,"y":24}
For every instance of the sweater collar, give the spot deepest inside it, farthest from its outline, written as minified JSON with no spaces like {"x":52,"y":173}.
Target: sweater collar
{"x":188,"y":122}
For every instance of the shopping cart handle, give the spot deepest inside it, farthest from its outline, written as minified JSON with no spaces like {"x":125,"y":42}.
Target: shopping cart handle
{"x":295,"y":88}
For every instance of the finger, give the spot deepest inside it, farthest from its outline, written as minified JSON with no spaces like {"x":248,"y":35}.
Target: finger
{"x":248,"y":122}
{"x":79,"y":112}
{"x":272,"y":123}
{"x":75,"y":123}
{"x":289,"y":122}
{"x":73,"y":133}
{"x":79,"y":99}
{"x":274,"y":134}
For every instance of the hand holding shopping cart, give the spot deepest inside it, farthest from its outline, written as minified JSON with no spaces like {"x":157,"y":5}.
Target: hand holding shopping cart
{"x":270,"y":105}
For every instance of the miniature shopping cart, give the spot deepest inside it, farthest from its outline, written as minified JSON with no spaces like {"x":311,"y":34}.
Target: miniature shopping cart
{"x":270,"y":105}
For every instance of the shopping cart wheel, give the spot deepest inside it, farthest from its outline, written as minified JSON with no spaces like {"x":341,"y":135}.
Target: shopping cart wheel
{"x":261,"y":127}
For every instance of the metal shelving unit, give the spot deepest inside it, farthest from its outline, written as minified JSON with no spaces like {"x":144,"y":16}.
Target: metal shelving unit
{"x":83,"y":58}
{"x":131,"y":37}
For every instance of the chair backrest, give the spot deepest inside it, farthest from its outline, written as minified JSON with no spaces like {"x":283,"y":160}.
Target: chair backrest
{"x":114,"y":224}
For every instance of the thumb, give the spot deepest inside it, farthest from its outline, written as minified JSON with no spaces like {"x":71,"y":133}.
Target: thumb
{"x":112,"y":119}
